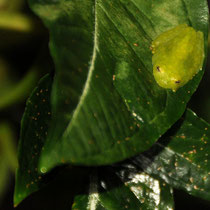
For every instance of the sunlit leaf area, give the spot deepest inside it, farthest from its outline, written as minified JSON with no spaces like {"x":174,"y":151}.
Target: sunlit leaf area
{"x":104,"y":104}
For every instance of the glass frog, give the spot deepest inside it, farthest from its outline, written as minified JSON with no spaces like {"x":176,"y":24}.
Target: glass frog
{"x":178,"y":55}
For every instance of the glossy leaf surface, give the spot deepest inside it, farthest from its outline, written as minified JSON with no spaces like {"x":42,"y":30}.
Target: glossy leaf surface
{"x":181,"y":160}
{"x":106,"y":105}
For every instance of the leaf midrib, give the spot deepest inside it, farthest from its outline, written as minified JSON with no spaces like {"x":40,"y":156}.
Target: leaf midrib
{"x":90,"y":73}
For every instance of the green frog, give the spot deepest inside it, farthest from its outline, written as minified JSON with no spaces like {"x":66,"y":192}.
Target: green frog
{"x":178,"y":55}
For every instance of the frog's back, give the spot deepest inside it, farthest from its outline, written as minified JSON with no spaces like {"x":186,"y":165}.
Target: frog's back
{"x":169,"y":35}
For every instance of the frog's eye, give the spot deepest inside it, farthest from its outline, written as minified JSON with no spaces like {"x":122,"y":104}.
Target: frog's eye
{"x":177,"y":56}
{"x":158,"y":68}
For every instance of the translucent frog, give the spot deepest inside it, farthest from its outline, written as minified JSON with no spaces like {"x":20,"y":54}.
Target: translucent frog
{"x":178,"y":55}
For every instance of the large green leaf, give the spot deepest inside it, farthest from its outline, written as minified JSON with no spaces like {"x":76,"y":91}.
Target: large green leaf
{"x":141,"y":191}
{"x":181,"y":158}
{"x":106,"y":105}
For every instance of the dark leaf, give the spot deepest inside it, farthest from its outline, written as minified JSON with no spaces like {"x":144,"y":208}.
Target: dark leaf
{"x":34,"y":128}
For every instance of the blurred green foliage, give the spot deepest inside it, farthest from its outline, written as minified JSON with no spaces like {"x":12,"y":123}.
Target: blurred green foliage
{"x":12,"y":5}
{"x":8,"y":159}
{"x":24,"y":59}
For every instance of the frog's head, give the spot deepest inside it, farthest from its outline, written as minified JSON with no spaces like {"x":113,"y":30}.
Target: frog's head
{"x":166,"y":77}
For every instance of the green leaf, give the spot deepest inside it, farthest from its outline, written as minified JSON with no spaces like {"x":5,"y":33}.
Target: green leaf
{"x":181,"y":158}
{"x":106,"y":105}
{"x":34,"y":128}
{"x":140,"y":192}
